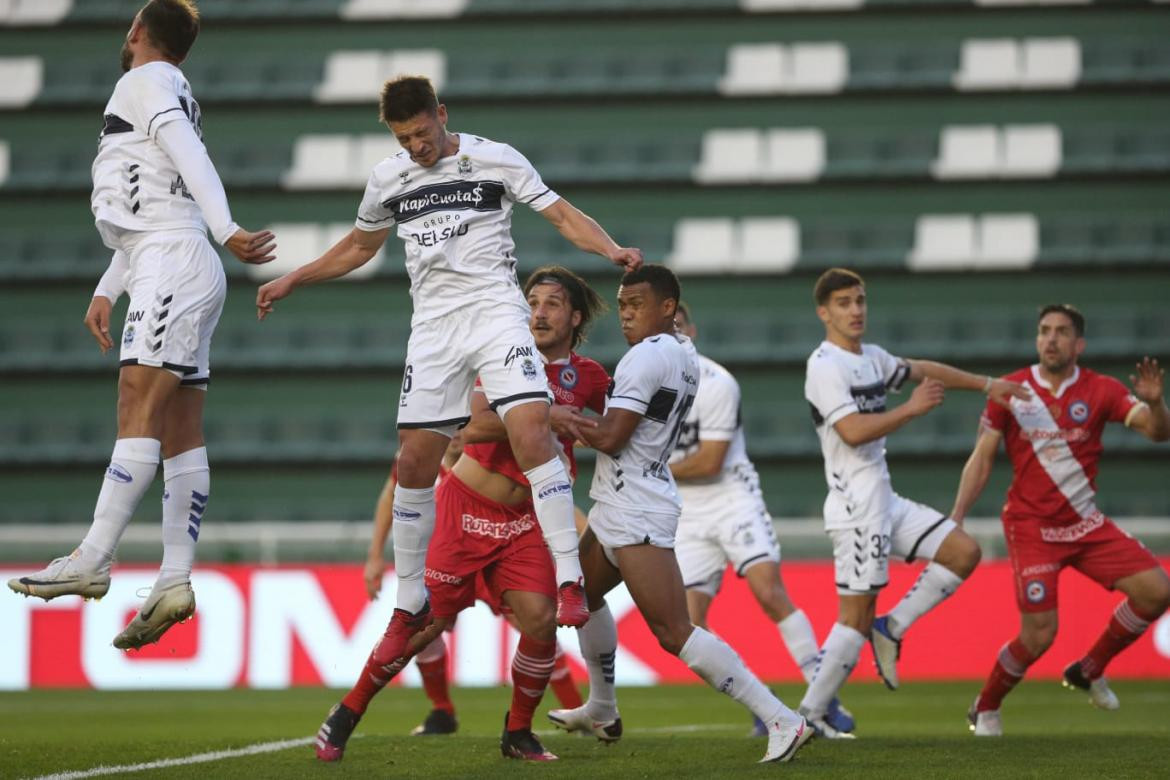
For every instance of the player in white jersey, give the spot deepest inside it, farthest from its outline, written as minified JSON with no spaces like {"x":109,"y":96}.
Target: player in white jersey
{"x":450,"y":197}
{"x":633,"y":523}
{"x":724,"y":518}
{"x":155,"y":195}
{"x":846,"y":385}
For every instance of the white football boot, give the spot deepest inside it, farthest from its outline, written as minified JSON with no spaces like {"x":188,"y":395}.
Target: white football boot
{"x":784,"y":741}
{"x":67,"y":576}
{"x":579,"y":720}
{"x":164,"y":607}
{"x":1099,"y":693}
{"x":985,"y":723}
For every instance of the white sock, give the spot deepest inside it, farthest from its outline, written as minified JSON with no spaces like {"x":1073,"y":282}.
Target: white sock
{"x":552,"y":497}
{"x":414,"y":521}
{"x":131,"y":470}
{"x":598,"y":640}
{"x":186,"y":487}
{"x":713,"y":659}
{"x":433,"y":652}
{"x":838,"y":657}
{"x":797,"y":632}
{"x":934,"y":585}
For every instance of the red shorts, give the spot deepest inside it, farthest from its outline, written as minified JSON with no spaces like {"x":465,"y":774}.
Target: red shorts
{"x":477,"y":540}
{"x":1105,"y":555}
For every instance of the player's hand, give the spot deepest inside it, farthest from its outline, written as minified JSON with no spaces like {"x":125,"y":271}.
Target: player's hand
{"x":97,"y":319}
{"x":567,"y":421}
{"x":1003,"y":391}
{"x":270,"y":293}
{"x":1149,"y":383}
{"x":926,"y":396}
{"x":375,"y":568}
{"x":252,"y":248}
{"x":628,"y":258}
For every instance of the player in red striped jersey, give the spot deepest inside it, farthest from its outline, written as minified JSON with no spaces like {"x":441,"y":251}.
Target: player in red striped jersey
{"x":487,"y":541}
{"x":1051,"y":519}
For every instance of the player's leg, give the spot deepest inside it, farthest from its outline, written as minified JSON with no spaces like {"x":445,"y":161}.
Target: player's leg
{"x":655,"y":584}
{"x":701,"y":562}
{"x":920,"y":532}
{"x":532,"y":663}
{"x":1037,"y":632}
{"x":432,"y":667}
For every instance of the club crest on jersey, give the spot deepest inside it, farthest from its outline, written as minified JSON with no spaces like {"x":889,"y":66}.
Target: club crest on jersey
{"x":464,"y":165}
{"x":1079,"y":411}
{"x":568,"y":377}
{"x":529,"y":368}
{"x":404,"y":178}
{"x":128,"y":336}
{"x":1035,"y":591}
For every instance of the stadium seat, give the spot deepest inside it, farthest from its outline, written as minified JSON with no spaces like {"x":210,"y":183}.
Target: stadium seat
{"x":730,"y":156}
{"x":968,"y":152}
{"x":323,"y":161}
{"x":703,"y":245}
{"x":357,"y":76}
{"x":21,"y":80}
{"x":30,"y":13}
{"x":943,"y":241}
{"x":768,"y":245}
{"x":793,"y":154}
{"x":1030,"y":151}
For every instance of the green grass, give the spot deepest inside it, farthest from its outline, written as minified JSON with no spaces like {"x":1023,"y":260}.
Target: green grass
{"x":918,"y":731}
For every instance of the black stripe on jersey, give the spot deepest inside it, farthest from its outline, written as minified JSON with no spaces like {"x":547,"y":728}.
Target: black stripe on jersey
{"x":519,"y":397}
{"x":447,"y":196}
{"x":150,"y":124}
{"x":195,"y":382}
{"x":818,"y":420}
{"x":374,"y":221}
{"x":460,"y":421}
{"x":538,"y":197}
{"x":901,"y":374}
{"x":115,"y":124}
{"x":660,"y":404}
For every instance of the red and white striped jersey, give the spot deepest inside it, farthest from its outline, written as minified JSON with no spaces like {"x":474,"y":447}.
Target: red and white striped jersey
{"x":1054,"y":442}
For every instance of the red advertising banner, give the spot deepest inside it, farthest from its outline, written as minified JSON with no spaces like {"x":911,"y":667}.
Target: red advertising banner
{"x":267,"y":627}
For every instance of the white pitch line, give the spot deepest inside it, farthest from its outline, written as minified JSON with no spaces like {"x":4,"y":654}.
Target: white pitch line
{"x":199,"y":758}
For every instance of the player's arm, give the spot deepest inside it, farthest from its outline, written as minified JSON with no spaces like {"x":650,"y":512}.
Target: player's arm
{"x":109,"y":289}
{"x":583,"y":232}
{"x":856,"y":429}
{"x":999,"y":390}
{"x":1151,"y":418}
{"x":976,"y":472}
{"x":180,"y":142}
{"x":485,"y":425}
{"x":383,"y":520}
{"x":703,"y":463}
{"x":613,"y":430}
{"x":354,"y":250}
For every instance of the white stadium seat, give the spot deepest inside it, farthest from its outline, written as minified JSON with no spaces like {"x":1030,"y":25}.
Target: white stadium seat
{"x":703,"y":245}
{"x":967,"y":152}
{"x":431,"y":63}
{"x":321,"y":161}
{"x":372,"y":149}
{"x":21,"y":79}
{"x":730,"y":156}
{"x":943,"y":242}
{"x":754,"y":69}
{"x":794,"y":154}
{"x":818,"y":67}
{"x":357,"y":76}
{"x":41,"y":13}
{"x":402,"y":9}
{"x":303,"y":242}
{"x":988,"y":64}
{"x":768,"y":244}
{"x":1007,"y":241}
{"x":1030,"y":150}
{"x":1050,"y":63}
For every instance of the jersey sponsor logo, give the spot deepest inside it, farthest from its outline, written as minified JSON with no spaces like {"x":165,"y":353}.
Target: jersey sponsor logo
{"x":1062,"y":434}
{"x":1040,"y":568}
{"x":118,"y":473}
{"x":552,"y":490}
{"x":441,"y":576}
{"x":568,"y":377}
{"x":449,"y":196}
{"x":1071,"y":533}
{"x":505,"y":531}
{"x":406,"y":515}
{"x":1035,"y":591}
{"x":516,"y":352}
{"x":1079,"y":411}
{"x":870,"y":399}
{"x":135,"y":316}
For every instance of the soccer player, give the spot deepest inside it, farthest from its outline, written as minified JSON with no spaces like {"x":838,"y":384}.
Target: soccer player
{"x":1051,"y":519}
{"x":450,"y":196}
{"x":485,"y":532}
{"x":724,"y":517}
{"x":634,"y":519}
{"x":846,"y":385}
{"x":155,"y":195}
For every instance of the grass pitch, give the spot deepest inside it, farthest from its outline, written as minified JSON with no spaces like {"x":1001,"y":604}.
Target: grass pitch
{"x":682,"y":731}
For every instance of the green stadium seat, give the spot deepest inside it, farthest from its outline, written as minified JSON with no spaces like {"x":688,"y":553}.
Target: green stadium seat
{"x":901,"y":66}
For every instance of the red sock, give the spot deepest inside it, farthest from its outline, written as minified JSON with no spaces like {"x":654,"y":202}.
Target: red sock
{"x":531,"y":666}
{"x":434,"y":678}
{"x":1014,"y":659}
{"x":1125,"y":626}
{"x":563,"y":684}
{"x":378,"y":671}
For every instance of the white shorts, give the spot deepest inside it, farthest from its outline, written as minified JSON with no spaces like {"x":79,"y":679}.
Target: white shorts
{"x":616,"y":526}
{"x":739,"y":531}
{"x":177,"y":290}
{"x":861,"y":555}
{"x":444,"y":356}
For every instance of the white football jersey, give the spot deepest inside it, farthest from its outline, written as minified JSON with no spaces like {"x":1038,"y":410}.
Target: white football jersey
{"x":839,"y":383}
{"x":715,"y":416}
{"x":657,"y":378}
{"x":135,"y":184}
{"x":455,"y":219}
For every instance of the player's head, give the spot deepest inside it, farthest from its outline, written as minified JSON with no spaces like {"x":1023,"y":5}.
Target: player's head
{"x":170,"y":27}
{"x":418,"y":120}
{"x":563,"y":307}
{"x":840,"y":297}
{"x":647,"y":302}
{"x":1060,"y":336}
{"x":683,"y":322}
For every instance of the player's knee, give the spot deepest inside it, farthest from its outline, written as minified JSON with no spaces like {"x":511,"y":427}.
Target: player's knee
{"x":960,"y":553}
{"x":1154,"y":599}
{"x":540,"y":623}
{"x":671,"y":637}
{"x":1038,"y":638}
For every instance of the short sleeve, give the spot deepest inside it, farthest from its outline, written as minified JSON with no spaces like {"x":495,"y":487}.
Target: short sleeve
{"x":717,"y":405}
{"x":523,"y":184}
{"x":995,"y":417}
{"x":150,"y":101}
{"x":372,"y":215}
{"x":1120,"y":402}
{"x":895,"y":370}
{"x":638,"y":376}
{"x":827,"y":389}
